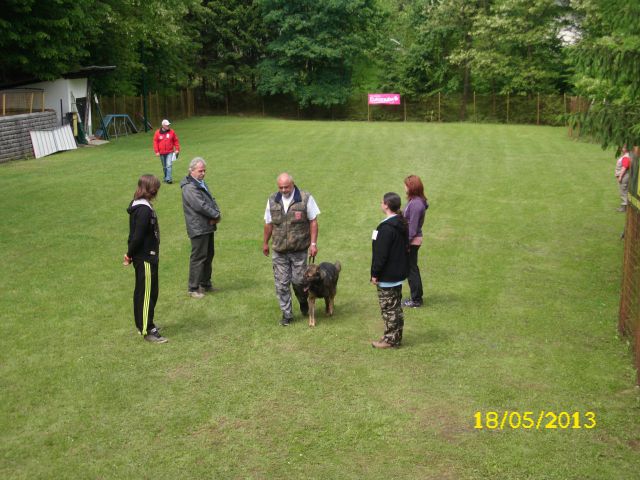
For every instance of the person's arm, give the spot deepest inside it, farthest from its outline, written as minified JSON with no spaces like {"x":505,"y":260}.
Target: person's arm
{"x":413,"y":219}
{"x":266,"y":236}
{"x":380,"y":253}
{"x":625,"y":166}
{"x":140,"y":225}
{"x":156,"y":143}
{"x":176,"y":143}
{"x":622,"y":172}
{"x":198,"y":202}
{"x":313,"y":248}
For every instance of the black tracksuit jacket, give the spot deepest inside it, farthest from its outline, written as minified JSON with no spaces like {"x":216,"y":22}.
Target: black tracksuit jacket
{"x":390,"y":251}
{"x":144,"y":232}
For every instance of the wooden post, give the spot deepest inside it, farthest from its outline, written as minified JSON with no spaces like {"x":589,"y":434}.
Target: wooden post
{"x":475,"y":115}
{"x":438,"y":106}
{"x":538,"y":117}
{"x":405,"y":109}
{"x":4,"y":104}
{"x":31,"y":103}
{"x":507,"y":107}
{"x":42,"y":106}
{"x":158,"y":107}
{"x":564,"y":101}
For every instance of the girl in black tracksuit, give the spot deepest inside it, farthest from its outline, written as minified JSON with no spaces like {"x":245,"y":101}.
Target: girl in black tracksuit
{"x":143,"y":251}
{"x":389,"y":268}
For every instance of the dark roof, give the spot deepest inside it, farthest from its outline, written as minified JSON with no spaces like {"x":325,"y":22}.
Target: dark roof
{"x":89,"y":71}
{"x":82,"y":72}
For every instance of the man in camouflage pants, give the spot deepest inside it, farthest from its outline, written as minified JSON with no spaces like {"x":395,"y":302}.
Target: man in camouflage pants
{"x":290,"y":221}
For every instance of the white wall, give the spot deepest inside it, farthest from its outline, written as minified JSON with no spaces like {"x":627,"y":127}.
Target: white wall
{"x":62,"y":89}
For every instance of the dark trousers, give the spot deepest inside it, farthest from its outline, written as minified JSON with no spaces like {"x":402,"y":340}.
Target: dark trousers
{"x":415,"y":282}
{"x":200,"y":263}
{"x":145,"y":295}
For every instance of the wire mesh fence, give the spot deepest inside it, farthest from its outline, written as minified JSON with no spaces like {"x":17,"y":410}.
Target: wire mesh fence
{"x":629,"y":316}
{"x":159,"y":106}
{"x":528,"y":109}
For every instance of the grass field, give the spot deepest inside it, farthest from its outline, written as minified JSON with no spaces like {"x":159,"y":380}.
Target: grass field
{"x":521,"y":266}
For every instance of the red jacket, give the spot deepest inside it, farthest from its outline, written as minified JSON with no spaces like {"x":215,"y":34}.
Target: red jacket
{"x":166,"y":142}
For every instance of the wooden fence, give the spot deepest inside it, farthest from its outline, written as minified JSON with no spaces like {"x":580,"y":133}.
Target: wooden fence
{"x":534,"y":109}
{"x":21,"y":101}
{"x":629,"y":317}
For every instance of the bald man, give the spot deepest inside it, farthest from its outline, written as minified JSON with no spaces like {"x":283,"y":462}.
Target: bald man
{"x":291,"y":223}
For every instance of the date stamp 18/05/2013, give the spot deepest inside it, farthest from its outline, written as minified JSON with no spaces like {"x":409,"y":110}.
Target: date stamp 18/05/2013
{"x":540,"y":420}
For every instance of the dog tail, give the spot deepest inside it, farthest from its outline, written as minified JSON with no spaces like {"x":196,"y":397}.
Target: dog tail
{"x":338,"y":266}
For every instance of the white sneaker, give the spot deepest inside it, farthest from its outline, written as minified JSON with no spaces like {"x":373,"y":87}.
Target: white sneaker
{"x":195,"y":294}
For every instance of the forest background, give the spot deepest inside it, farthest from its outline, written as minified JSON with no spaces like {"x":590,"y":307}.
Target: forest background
{"x":320,"y":52}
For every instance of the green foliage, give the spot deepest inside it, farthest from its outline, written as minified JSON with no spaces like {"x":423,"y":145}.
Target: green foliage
{"x":492,"y":46}
{"x":153,"y":38}
{"x":314,"y":46}
{"x":517,"y":47}
{"x":607,"y":62}
{"x":46,"y":38}
{"x":232,"y":38}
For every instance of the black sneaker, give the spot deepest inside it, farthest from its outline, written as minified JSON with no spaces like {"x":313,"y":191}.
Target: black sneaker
{"x":411,"y":304}
{"x":285,"y":321}
{"x":155,"y":337}
{"x":208,"y":289}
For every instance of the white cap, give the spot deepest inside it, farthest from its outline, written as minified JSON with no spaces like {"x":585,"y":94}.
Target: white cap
{"x":165,"y":123}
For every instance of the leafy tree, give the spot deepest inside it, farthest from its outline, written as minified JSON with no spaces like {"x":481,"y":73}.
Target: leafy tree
{"x":153,"y":37}
{"x":313,"y":47}
{"x":232,"y":36}
{"x":607,"y":61}
{"x":44,"y":39}
{"x":517,"y":47}
{"x":437,"y":29}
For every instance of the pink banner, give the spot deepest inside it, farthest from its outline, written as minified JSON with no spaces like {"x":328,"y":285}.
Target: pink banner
{"x":384,"y":99}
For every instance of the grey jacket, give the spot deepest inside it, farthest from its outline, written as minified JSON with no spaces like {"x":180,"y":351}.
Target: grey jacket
{"x":199,"y":207}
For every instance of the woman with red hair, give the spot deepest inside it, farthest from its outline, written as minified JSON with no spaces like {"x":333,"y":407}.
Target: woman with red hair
{"x":414,"y":213}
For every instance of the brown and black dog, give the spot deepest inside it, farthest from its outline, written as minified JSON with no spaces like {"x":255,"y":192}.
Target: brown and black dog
{"x":321,"y":281}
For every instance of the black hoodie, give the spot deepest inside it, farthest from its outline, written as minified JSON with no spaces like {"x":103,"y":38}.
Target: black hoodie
{"x":144,"y":232}
{"x":390,"y":246}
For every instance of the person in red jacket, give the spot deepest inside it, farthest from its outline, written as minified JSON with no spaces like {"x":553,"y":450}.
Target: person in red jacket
{"x":167,"y":147}
{"x":623,"y":168}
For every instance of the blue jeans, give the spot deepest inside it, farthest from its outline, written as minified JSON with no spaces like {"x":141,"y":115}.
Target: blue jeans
{"x":167,"y":162}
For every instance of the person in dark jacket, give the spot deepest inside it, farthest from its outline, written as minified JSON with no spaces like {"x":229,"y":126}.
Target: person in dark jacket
{"x":389,"y":267}
{"x":201,"y":214}
{"x":414,"y":213}
{"x":143,"y":251}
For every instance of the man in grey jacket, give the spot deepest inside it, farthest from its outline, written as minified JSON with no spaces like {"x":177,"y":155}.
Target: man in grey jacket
{"x":201,"y":214}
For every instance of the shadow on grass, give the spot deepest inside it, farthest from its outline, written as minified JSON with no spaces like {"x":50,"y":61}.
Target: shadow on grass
{"x":426,"y":337}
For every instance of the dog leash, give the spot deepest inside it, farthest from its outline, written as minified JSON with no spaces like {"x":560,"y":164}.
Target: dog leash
{"x":312,"y":259}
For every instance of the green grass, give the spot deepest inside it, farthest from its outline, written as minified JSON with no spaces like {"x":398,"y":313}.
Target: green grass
{"x":521,"y":265}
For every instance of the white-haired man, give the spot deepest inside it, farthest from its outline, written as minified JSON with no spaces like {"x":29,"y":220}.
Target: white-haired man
{"x":201,"y":214}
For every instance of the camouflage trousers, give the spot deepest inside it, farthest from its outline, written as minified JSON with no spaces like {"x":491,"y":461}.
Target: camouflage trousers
{"x":288,"y":269}
{"x":390,"y":300}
